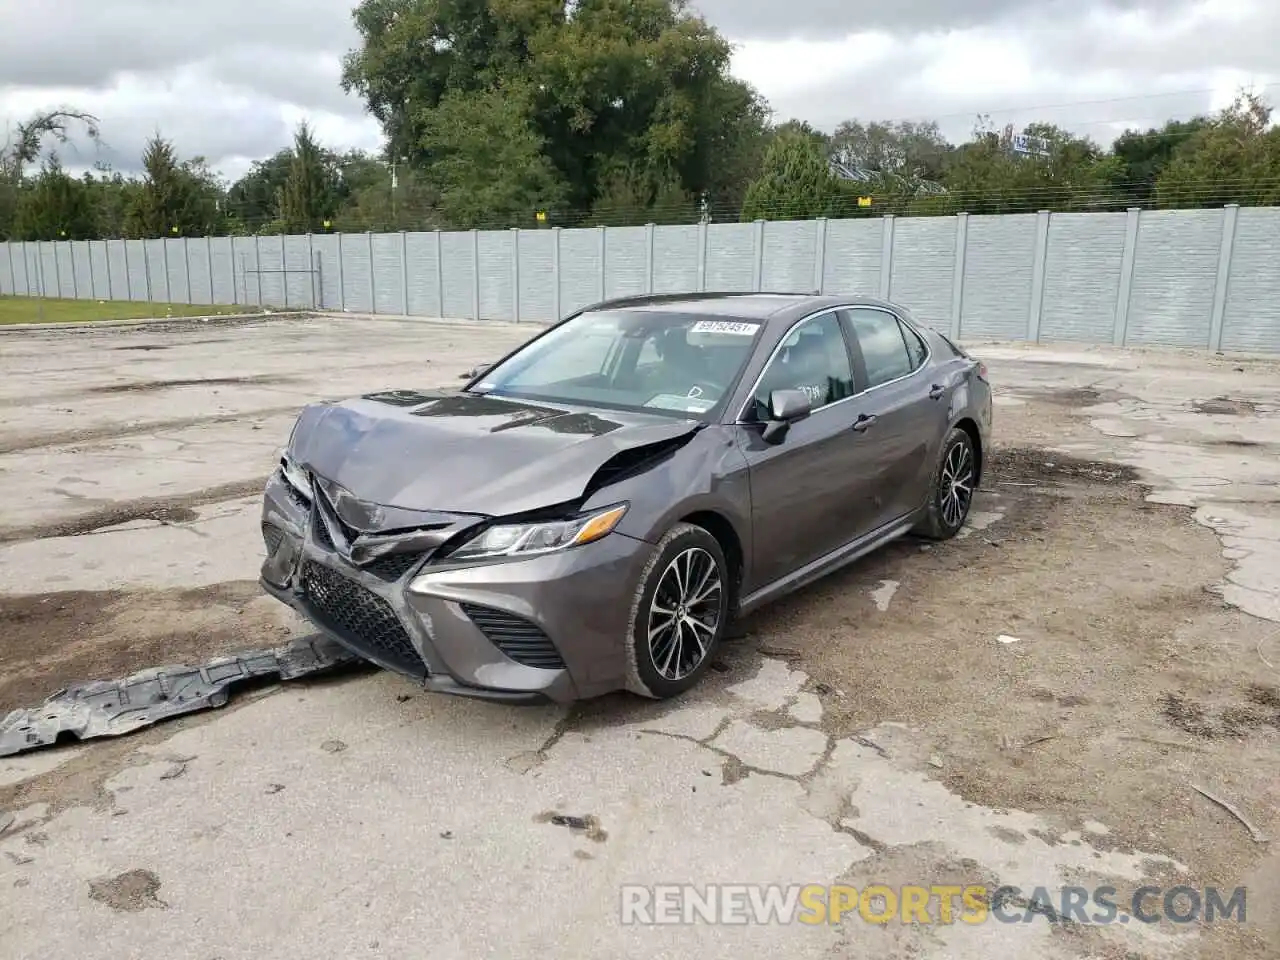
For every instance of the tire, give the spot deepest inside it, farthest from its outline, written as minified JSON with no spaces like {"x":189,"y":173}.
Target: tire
{"x":662,"y":667}
{"x":944,"y":517}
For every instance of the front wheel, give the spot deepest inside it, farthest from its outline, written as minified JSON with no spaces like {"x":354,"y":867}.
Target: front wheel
{"x":679,"y":614}
{"x":952,"y":493}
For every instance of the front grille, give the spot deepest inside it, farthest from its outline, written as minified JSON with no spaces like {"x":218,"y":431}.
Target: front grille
{"x":362,"y":618}
{"x":322,"y":533}
{"x":393,"y":566}
{"x":273,"y":537}
{"x":522,"y":641}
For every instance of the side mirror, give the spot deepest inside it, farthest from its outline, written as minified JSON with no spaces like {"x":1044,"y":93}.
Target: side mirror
{"x":785,"y":408}
{"x":788,"y":406}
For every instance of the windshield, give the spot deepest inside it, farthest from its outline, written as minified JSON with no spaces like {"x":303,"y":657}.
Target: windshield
{"x":656,"y":361}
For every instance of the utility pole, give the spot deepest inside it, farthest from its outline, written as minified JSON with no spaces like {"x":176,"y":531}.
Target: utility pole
{"x":395,"y":182}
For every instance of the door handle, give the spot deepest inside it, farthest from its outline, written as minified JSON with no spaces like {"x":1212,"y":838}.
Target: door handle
{"x":936,"y":391}
{"x":863,"y":423}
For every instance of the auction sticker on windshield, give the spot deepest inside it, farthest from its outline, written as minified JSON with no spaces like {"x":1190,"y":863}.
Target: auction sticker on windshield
{"x":667,"y":401}
{"x":735,"y":327}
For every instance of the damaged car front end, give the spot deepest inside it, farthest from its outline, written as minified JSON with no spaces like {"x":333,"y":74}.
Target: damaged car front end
{"x":514,"y":607}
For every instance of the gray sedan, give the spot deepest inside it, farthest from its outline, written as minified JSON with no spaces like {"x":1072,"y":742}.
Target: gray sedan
{"x":590,"y":513}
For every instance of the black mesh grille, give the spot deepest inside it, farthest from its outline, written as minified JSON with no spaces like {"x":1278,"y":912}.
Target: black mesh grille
{"x":298,"y":499}
{"x":322,"y":533}
{"x":519,"y":639}
{"x":273,"y":537}
{"x":394,"y":566}
{"x":363,"y":619}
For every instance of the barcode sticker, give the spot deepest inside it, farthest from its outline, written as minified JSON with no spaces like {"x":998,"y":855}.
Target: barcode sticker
{"x":725,"y":326}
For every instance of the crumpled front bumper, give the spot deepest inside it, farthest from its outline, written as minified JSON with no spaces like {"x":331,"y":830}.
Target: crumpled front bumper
{"x":545,"y":628}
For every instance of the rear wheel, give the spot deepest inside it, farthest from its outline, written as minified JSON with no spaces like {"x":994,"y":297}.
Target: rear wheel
{"x":679,"y":614}
{"x":953,"y":486}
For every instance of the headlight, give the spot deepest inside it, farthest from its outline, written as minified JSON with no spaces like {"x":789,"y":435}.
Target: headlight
{"x":525,"y":539}
{"x":294,"y":475}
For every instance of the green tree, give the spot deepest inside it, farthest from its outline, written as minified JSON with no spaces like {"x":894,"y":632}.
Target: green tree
{"x":487,"y":161}
{"x":55,"y":206}
{"x":310,"y":195}
{"x":907,"y":152}
{"x":1235,"y":159}
{"x":174,"y":199}
{"x":1142,"y":157}
{"x":639,"y":85}
{"x":384,"y":203}
{"x":254,"y":199}
{"x":796,"y":183}
{"x":23,"y":149}
{"x":987,"y":176}
{"x":799,"y":128}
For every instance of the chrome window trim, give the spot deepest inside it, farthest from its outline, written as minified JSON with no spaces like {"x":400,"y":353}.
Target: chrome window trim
{"x":928,"y":350}
{"x":773,"y":355}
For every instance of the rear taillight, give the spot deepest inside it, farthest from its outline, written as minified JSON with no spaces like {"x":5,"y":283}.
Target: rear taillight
{"x":982,"y":371}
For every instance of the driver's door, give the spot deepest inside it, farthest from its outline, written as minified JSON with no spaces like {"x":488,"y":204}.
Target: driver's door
{"x":801,"y":503}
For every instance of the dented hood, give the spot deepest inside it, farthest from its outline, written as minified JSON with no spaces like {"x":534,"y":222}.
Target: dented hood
{"x":467,"y":453}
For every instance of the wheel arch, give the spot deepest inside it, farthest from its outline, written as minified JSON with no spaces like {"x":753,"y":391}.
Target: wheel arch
{"x":722,"y":528}
{"x":970,"y":426}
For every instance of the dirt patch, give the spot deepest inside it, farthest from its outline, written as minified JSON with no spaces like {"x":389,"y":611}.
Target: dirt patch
{"x":1251,"y":709}
{"x":129,"y":891}
{"x":1244,"y":444}
{"x":1109,"y":598}
{"x":159,"y":509}
{"x":1076,"y":397}
{"x":1225,"y":406}
{"x":1035,"y":466}
{"x":14,"y":443}
{"x":587,"y":826}
{"x":56,"y":639}
{"x":147,"y":347}
{"x":152,"y":386}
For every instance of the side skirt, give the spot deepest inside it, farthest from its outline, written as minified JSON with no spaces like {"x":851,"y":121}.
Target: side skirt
{"x":840,"y":557}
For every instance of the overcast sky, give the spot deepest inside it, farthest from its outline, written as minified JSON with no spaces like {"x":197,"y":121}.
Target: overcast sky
{"x":229,"y":79}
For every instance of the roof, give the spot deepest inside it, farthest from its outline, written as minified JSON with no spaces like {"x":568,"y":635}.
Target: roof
{"x":758,"y":306}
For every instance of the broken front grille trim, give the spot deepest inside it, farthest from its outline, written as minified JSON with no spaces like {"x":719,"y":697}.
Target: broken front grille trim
{"x":361,"y":618}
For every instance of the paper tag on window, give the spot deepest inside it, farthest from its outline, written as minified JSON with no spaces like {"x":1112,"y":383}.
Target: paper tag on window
{"x":725,"y":326}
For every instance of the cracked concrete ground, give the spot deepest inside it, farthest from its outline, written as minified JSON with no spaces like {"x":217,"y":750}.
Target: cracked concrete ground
{"x":1026,"y":705}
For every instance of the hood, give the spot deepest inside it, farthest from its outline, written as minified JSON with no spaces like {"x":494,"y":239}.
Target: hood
{"x":467,"y":453}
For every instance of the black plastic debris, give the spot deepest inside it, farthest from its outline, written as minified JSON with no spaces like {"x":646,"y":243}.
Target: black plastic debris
{"x":109,"y":708}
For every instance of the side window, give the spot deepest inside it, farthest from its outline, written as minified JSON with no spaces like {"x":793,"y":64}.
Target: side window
{"x":883,"y":349}
{"x":915,"y":347}
{"x":814,"y":359}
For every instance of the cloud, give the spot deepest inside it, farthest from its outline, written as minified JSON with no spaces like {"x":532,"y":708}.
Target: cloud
{"x":227,"y":80}
{"x":230,"y":79}
{"x":819,"y":19}
{"x":1096,"y":72}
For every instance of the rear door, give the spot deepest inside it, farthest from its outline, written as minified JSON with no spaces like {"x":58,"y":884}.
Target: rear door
{"x":800,"y":486}
{"x":901,"y":414}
